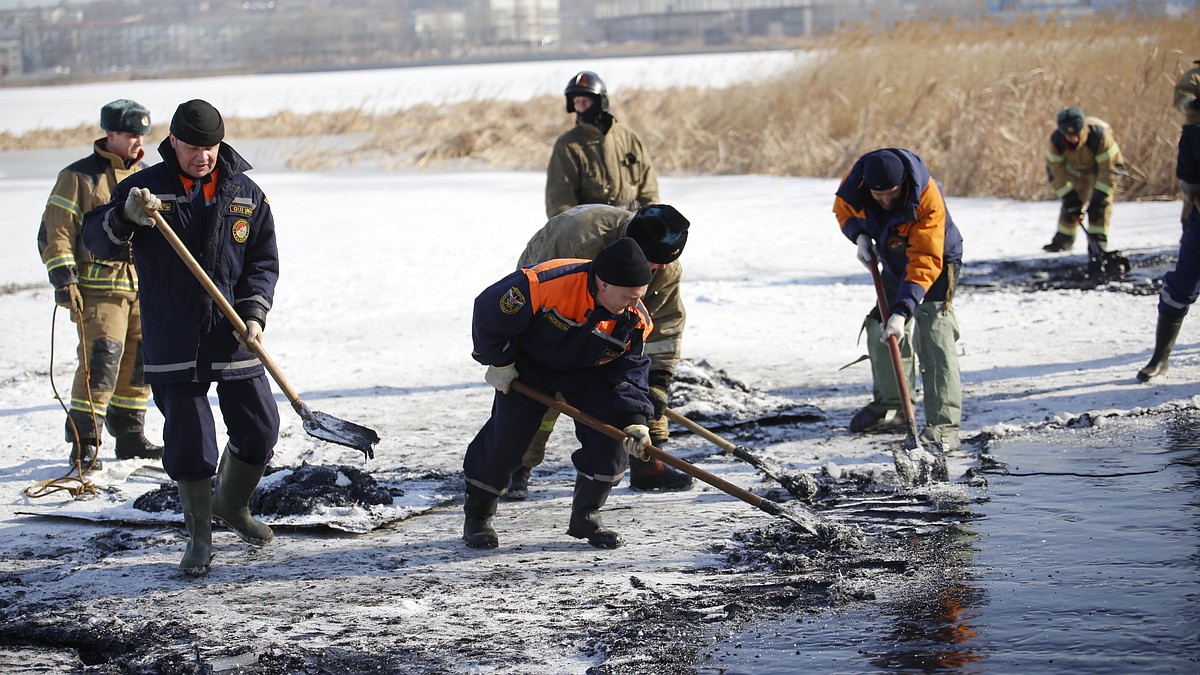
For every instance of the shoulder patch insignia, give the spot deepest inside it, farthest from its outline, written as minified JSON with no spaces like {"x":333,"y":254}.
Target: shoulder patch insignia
{"x":512,"y":301}
{"x":241,"y":230}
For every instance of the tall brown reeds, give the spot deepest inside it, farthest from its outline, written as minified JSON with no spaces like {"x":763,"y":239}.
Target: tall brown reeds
{"x":976,"y":100}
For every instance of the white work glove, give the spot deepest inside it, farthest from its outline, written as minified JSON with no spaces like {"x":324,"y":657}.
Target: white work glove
{"x":864,"y":251}
{"x":895,"y":326}
{"x":253,"y":334}
{"x":501,"y":377}
{"x":136,"y":203}
{"x":637,"y":437}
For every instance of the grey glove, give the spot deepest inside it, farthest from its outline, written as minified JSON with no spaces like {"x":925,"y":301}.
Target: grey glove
{"x":253,"y":334}
{"x":501,"y":377}
{"x":136,"y":205}
{"x":895,"y":326}
{"x":864,"y":255}
{"x":637,"y":437}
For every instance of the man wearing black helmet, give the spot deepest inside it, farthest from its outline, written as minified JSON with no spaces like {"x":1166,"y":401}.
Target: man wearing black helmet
{"x":1083,"y":165}
{"x":100,"y":294}
{"x":202,"y":191}
{"x":661,"y":232}
{"x":599,"y":161}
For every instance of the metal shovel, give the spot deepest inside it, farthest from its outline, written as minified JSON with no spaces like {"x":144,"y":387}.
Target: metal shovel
{"x":807,"y":520}
{"x":316,"y":423}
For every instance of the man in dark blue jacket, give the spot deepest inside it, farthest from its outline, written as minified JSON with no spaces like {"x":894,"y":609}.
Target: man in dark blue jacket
{"x":576,"y":327}
{"x":892,"y":208}
{"x":202,"y":191}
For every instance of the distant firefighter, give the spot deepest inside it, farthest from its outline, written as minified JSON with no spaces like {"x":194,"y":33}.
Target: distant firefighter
{"x":599,"y":161}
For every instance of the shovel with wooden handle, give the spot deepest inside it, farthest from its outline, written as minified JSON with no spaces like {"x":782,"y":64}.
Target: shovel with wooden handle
{"x":914,"y":465}
{"x":796,"y":485}
{"x":807,"y":520}
{"x":316,"y":423}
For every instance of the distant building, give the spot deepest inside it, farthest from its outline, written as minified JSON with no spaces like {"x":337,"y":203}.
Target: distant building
{"x":11,"y":61}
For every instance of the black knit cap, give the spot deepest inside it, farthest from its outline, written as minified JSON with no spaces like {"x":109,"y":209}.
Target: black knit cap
{"x":622,"y":263}
{"x":660,"y":230}
{"x":883,"y":171}
{"x":198,"y":123}
{"x":125,"y":115}
{"x":1071,"y":121}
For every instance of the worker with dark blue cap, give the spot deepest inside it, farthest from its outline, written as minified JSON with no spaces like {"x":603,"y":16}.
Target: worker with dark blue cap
{"x":892,"y":209}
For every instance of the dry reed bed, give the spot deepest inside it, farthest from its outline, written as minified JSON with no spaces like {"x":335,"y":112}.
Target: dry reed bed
{"x":976,"y":100}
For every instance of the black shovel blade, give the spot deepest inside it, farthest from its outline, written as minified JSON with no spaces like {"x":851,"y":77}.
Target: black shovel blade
{"x":330,"y":428}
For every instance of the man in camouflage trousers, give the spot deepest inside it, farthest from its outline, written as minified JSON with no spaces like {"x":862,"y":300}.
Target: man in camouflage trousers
{"x":101,"y":295}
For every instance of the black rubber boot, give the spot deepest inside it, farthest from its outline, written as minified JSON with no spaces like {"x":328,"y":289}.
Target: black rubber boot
{"x":477,"y":529}
{"x":1164,"y":342}
{"x":518,"y":486}
{"x":654,"y":475}
{"x":590,"y":495}
{"x":135,"y":445}
{"x":86,"y":457}
{"x":1059,"y":243}
{"x":195,"y":499}
{"x":236,"y":481}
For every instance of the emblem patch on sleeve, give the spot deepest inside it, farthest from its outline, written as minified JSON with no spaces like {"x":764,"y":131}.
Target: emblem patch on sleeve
{"x":512,"y":301}
{"x":241,"y":230}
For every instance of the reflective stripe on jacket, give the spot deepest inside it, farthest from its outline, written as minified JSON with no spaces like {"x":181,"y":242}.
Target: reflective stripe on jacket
{"x":1097,"y":155}
{"x":582,"y":232}
{"x":80,"y":187}
{"x":185,"y":336}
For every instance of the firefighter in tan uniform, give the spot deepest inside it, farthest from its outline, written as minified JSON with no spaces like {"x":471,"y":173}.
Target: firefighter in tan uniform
{"x":1084,"y":167}
{"x":599,"y":161}
{"x":661,"y":233}
{"x":100,"y":294}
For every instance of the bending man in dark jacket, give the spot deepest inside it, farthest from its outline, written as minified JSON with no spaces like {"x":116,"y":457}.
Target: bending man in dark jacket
{"x":202,"y":191}
{"x":575,"y":327}
{"x":661,"y":232}
{"x":891,"y":207}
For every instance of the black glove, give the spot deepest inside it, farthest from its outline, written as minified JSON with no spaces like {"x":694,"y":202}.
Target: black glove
{"x":1071,"y":202}
{"x":660,"y":383}
{"x":1072,"y":207}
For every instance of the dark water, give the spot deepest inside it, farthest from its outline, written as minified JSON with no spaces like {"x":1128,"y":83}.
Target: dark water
{"x":1059,"y":574}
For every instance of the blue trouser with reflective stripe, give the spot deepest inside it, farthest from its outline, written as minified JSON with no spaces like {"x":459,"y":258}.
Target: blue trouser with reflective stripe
{"x":1181,"y":285}
{"x":497,"y":449}
{"x":251,"y":419}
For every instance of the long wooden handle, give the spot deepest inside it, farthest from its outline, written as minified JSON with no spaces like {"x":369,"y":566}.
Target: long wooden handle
{"x":699,"y":430}
{"x":227,"y":309}
{"x":664,"y":457}
{"x":910,"y":415}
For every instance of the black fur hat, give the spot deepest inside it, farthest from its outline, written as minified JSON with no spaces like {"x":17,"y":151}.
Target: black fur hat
{"x":125,"y":115}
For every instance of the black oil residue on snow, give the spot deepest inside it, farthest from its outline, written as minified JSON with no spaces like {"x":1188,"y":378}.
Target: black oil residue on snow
{"x":1083,"y":558}
{"x":301,"y":490}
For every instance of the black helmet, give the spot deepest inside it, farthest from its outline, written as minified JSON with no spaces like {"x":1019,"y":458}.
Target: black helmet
{"x":660,"y":230}
{"x":586,"y":83}
{"x":1071,"y":121}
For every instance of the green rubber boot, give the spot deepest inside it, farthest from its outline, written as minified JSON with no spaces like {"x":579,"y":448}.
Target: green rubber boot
{"x":195,"y":498}
{"x":236,"y":481}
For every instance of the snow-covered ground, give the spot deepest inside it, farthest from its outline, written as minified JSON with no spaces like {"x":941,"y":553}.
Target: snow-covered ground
{"x":372,"y":324}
